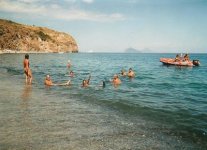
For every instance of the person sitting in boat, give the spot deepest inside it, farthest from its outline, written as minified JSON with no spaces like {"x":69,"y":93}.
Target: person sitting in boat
{"x":49,"y":82}
{"x":131,"y":73}
{"x":177,"y":58}
{"x":186,"y":57}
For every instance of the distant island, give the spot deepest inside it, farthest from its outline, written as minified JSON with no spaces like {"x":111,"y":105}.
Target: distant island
{"x":19,"y":38}
{"x":132,"y":50}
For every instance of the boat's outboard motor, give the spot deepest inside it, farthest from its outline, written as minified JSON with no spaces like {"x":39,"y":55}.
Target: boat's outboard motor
{"x":196,"y":62}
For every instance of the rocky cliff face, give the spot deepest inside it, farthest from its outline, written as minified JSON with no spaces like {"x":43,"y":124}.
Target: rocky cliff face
{"x":24,"y":38}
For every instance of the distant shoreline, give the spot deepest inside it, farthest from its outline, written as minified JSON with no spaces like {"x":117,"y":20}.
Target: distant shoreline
{"x":36,"y":52}
{"x":23,"y":52}
{"x":29,"y":52}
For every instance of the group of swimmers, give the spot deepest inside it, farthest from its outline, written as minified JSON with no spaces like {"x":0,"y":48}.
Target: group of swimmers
{"x":85,"y":83}
{"x":130,"y":73}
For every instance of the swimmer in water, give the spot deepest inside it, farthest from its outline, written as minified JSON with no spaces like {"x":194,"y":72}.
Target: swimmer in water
{"x":116,"y":81}
{"x":85,"y":83}
{"x":131,"y":73}
{"x":49,"y":82}
{"x":103,"y":84}
{"x":123,"y":73}
{"x":71,"y":74}
{"x":69,"y":64}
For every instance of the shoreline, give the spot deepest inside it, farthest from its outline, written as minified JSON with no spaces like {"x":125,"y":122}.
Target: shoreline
{"x":8,"y":51}
{"x":29,"y":52}
{"x":24,"y":52}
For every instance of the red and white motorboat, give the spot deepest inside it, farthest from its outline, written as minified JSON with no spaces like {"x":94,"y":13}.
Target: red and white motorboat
{"x":171,"y":61}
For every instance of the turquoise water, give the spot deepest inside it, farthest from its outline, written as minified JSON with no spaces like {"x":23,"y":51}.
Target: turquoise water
{"x":163,"y":107}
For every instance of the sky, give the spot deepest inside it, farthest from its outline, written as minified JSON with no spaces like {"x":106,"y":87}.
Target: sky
{"x":163,"y":26}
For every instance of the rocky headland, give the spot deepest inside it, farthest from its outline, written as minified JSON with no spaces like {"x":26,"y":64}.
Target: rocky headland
{"x":19,"y":38}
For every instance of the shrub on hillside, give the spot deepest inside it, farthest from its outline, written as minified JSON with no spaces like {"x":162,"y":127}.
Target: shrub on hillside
{"x":1,"y":31}
{"x":43,"y":36}
{"x":9,"y":21}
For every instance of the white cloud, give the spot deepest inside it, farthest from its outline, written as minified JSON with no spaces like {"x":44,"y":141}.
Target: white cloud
{"x":18,"y":7}
{"x":90,"y":16}
{"x":35,"y":7}
{"x":28,"y":1}
{"x":87,"y":1}
{"x":70,"y":1}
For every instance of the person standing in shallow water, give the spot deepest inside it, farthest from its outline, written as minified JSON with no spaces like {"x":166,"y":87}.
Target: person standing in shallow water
{"x":27,"y":70}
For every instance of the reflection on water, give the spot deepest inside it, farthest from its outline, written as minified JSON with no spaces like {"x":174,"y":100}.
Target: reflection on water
{"x":25,"y":98}
{"x":26,"y":93}
{"x":25,"y":117}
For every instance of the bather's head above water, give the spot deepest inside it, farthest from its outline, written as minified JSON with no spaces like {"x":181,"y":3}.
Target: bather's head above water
{"x":26,"y":56}
{"x":48,"y":77}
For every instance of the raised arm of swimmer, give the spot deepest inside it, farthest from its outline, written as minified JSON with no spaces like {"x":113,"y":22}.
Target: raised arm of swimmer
{"x":88,"y":81}
{"x":85,"y":83}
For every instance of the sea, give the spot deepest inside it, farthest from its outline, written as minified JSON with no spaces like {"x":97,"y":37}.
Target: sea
{"x":162,"y":108}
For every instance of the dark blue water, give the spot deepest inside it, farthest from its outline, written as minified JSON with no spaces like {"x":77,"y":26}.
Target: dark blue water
{"x":174,"y":97}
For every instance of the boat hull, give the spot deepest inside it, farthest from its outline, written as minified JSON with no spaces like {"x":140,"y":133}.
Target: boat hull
{"x":170,"y":61}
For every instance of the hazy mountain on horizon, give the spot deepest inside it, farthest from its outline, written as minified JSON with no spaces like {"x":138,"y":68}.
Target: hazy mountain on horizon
{"x":132,"y":50}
